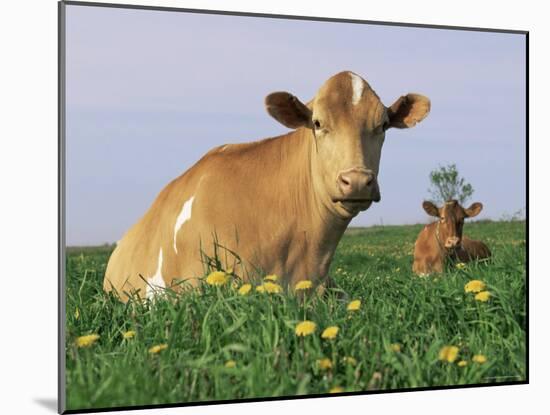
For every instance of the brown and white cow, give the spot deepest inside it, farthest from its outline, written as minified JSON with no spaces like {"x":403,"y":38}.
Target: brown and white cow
{"x":282,"y":203}
{"x":443,"y":239}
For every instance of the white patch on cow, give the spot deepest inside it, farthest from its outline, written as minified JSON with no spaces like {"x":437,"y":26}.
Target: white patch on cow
{"x":357,"y":85}
{"x":156,"y":282}
{"x":183,"y":217}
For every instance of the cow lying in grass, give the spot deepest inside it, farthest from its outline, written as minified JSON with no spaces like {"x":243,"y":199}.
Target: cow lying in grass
{"x":443,"y":239}
{"x":282,"y":203}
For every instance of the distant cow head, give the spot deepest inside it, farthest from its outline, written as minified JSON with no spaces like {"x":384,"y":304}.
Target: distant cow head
{"x":348,"y":123}
{"x":451,"y":220}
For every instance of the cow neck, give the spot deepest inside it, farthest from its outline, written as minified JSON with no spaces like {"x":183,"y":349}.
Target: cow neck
{"x":292,"y":174}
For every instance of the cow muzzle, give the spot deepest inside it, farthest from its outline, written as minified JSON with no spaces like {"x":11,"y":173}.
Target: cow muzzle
{"x":452,"y":242}
{"x":357,"y":185}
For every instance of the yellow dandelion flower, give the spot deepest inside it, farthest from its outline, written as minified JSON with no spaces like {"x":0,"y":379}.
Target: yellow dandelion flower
{"x":479,"y":358}
{"x":128,"y":334}
{"x":448,"y":353}
{"x":483,"y":296}
{"x":86,"y":341}
{"x":395,"y":347}
{"x":217,"y":278}
{"x":354,"y":305}
{"x":269,"y":287}
{"x":324,"y":364}
{"x":336,"y":389}
{"x":462,"y":363}
{"x":272,"y":288}
{"x":330,"y":332}
{"x":303,"y":285}
{"x":272,"y":278}
{"x":245,"y":289}
{"x":349,"y":360}
{"x":158,"y":348}
{"x":305,"y":328}
{"x":229,"y":271}
{"x":460,"y":265}
{"x":474,"y":286}
{"x":230,"y":364}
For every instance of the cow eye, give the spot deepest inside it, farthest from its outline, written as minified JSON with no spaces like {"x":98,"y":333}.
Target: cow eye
{"x":316,"y":124}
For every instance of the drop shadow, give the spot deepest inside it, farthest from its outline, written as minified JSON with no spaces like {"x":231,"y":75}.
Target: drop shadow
{"x":48,"y":403}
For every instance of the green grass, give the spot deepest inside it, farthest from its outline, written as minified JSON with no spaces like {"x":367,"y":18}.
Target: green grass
{"x":205,"y":330}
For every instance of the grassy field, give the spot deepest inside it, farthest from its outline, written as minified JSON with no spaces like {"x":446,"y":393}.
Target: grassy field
{"x":222,"y":345}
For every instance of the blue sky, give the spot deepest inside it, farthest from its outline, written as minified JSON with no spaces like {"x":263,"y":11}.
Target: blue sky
{"x":149,"y":92}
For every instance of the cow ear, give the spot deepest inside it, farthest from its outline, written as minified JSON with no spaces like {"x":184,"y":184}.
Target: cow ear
{"x":430,"y":208}
{"x":288,"y":110}
{"x":473,"y":210}
{"x":408,"y":110}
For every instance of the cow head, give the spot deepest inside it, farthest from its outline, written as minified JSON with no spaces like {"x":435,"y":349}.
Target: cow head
{"x":451,"y":220}
{"x":347,"y":123}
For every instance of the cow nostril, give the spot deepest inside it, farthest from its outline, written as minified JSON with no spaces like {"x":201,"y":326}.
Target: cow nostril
{"x":356,"y":184}
{"x":345,"y":184}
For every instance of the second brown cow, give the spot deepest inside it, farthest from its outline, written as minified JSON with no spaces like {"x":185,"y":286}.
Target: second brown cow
{"x":443,"y":239}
